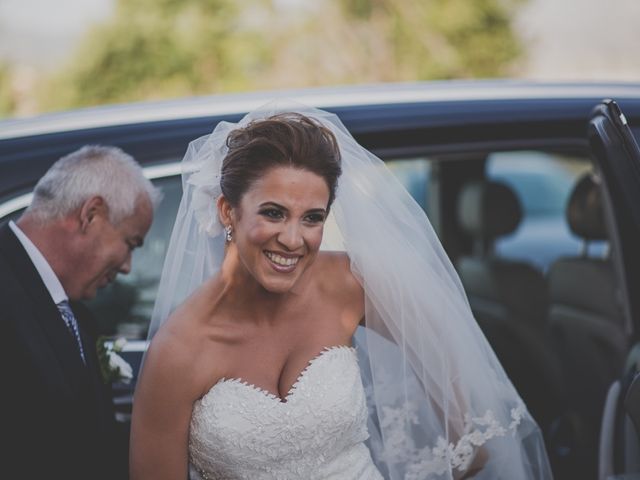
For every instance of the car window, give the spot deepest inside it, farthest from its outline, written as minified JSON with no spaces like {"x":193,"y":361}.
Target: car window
{"x":543,"y":183}
{"x":413,"y":173}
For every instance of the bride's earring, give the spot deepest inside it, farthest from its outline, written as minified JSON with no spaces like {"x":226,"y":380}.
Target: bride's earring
{"x":227,"y":233}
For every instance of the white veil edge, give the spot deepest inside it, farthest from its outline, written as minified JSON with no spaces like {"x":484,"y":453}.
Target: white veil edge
{"x":439,"y":400}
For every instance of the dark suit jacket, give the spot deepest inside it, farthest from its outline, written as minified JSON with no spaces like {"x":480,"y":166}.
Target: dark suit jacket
{"x":56,"y":415}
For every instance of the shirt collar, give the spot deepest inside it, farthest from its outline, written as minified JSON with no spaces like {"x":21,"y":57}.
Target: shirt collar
{"x":51,"y":281}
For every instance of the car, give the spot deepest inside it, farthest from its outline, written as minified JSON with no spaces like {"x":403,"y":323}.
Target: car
{"x":466,"y":151}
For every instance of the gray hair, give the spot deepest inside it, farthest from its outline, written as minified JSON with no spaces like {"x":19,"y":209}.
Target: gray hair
{"x":93,"y":170}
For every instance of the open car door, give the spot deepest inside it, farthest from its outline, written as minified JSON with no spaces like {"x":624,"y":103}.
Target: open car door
{"x":617,"y":157}
{"x":617,"y":160}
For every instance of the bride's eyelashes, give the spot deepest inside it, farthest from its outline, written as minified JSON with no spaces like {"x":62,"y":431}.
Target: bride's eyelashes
{"x":272,"y":213}
{"x":315,"y":217}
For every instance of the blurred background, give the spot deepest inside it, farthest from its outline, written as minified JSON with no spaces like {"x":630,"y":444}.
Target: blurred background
{"x":74,"y":53}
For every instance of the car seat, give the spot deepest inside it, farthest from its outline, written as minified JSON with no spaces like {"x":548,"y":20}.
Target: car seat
{"x":508,"y":298}
{"x":586,"y":325}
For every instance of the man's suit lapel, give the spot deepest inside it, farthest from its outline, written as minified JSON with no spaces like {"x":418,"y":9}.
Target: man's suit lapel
{"x":45,"y":315}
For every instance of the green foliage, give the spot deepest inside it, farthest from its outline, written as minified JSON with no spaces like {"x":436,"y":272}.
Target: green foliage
{"x":168,"y":48}
{"x":156,"y":49}
{"x":439,"y":39}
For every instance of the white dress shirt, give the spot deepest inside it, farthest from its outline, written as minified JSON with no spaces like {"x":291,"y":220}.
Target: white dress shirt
{"x":45,"y":271}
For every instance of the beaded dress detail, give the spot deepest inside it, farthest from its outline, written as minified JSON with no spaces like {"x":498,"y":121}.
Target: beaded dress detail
{"x":239,"y":431}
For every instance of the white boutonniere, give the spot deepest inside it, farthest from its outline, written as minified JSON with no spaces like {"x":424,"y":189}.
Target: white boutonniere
{"x":113,"y":367}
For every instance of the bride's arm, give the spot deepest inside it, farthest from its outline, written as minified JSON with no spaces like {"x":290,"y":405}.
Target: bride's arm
{"x":162,"y":410}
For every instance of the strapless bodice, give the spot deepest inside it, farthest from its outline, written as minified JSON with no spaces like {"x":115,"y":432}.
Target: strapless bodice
{"x":239,"y":431}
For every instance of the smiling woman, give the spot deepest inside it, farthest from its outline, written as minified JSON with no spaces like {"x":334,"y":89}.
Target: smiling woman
{"x":259,"y":349}
{"x":278,"y":181}
{"x":278,"y":225}
{"x":274,"y":294}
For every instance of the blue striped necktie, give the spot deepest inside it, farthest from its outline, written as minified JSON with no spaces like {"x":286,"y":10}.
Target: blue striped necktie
{"x":72,"y":324}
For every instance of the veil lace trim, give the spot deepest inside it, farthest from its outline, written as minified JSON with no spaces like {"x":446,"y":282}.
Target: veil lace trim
{"x":447,"y":456}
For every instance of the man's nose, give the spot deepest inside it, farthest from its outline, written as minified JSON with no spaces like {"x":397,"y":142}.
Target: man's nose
{"x":291,"y":236}
{"x":126,"y":265}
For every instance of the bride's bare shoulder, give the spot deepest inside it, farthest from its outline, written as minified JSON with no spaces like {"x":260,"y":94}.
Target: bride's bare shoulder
{"x":183,"y":342}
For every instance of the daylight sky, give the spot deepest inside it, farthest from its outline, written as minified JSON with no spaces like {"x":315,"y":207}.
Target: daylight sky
{"x":41,"y":32}
{"x":574,"y":39}
{"x":566,"y":39}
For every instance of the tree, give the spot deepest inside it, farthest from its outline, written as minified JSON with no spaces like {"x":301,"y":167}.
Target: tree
{"x":391,"y":40}
{"x":164,"y":48}
{"x":155,"y":49}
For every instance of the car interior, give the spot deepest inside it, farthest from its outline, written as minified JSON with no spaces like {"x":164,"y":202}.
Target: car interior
{"x":559,"y":326}
{"x":509,"y":298}
{"x":586,"y":321}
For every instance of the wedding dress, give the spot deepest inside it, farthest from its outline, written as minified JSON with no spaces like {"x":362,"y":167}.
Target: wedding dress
{"x":317,"y":431}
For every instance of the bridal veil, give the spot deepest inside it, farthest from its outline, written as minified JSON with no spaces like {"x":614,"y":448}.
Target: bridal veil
{"x":440,"y":404}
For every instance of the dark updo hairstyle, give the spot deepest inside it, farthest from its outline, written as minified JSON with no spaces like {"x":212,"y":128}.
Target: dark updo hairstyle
{"x":283,"y":140}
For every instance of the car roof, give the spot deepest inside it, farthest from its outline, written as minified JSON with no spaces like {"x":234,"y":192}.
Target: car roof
{"x":391,"y":120}
{"x":333,"y":98}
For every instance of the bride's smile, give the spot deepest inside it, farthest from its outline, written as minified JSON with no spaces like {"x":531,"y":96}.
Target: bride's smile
{"x":282,"y":262}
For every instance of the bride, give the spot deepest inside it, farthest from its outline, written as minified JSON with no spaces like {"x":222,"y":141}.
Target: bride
{"x":255,"y":375}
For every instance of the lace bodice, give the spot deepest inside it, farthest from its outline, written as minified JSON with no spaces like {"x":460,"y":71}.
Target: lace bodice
{"x":239,"y":431}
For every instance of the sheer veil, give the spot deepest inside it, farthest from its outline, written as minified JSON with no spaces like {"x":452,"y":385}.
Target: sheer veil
{"x":439,"y":401}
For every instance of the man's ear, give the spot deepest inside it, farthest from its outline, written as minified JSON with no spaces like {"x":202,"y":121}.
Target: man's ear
{"x":225,"y":211}
{"x":91,"y":209}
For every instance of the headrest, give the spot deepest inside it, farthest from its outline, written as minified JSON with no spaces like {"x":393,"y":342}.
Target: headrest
{"x":488,"y":209}
{"x":584,"y":212}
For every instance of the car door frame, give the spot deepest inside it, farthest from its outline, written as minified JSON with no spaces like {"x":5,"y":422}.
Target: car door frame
{"x":616,"y":156}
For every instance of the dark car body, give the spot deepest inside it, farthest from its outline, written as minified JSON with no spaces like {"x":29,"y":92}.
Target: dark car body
{"x":438,"y":138}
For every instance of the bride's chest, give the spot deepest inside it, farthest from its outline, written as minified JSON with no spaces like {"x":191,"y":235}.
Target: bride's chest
{"x":326,"y":402}
{"x":273,"y":360}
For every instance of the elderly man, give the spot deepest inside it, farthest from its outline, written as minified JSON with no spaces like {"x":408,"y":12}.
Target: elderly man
{"x":89,"y":212}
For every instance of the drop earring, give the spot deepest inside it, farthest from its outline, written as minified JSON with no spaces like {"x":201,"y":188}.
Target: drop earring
{"x":227,"y":233}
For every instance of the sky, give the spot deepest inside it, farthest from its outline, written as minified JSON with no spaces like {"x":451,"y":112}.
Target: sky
{"x":566,"y":39}
{"x":581,"y":39}
{"x":27,"y":25}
